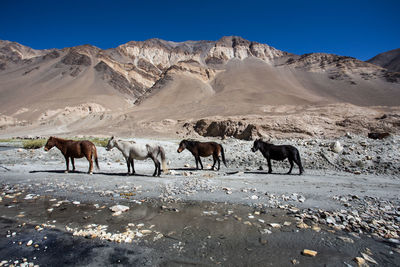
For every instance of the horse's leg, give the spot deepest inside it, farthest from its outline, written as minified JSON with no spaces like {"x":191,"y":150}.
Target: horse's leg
{"x":269,"y":165}
{"x":156,"y":165}
{"x":291,"y":165}
{"x":219,"y":161}
{"x":73,"y":164}
{"x":129,"y":166}
{"x":67,"y":163}
{"x":133,"y":166}
{"x":215,"y":161}
{"x":201,"y":164}
{"x":159,"y":167}
{"x":89,"y":158}
{"x":297,"y":160}
{"x":197,"y":162}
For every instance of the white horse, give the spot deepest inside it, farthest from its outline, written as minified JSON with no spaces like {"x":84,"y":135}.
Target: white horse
{"x":131,"y":150}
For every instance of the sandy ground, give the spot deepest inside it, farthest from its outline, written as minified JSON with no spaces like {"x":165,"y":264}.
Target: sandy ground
{"x":198,"y":217}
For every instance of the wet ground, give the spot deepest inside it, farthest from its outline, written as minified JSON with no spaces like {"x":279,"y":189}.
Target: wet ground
{"x":175,"y":234}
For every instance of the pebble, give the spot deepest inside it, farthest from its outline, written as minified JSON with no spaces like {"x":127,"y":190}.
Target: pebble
{"x":360,"y":261}
{"x":30,"y":242}
{"x":275,"y":225}
{"x":308,"y":252}
{"x":346,"y":239}
{"x":368,"y":258}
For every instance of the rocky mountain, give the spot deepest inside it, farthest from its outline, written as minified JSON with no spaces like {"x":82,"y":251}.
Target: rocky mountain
{"x":389,"y":60}
{"x":157,"y":79}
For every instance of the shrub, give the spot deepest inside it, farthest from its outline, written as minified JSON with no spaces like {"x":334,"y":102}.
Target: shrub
{"x":33,"y":144}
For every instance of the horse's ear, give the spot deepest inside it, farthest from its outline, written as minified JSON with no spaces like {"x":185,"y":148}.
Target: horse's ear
{"x":112,"y":137}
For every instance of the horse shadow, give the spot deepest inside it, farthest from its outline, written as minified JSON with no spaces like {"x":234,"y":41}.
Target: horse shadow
{"x":56,"y":171}
{"x":266,"y":173}
{"x":123,"y":174}
{"x":190,"y":169}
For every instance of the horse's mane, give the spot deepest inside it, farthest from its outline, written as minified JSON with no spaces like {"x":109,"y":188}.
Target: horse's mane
{"x":60,"y":139}
{"x":191,"y":141}
{"x":263,"y":141}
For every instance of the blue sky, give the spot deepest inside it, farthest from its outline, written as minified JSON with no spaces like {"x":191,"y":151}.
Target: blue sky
{"x":359,"y":29}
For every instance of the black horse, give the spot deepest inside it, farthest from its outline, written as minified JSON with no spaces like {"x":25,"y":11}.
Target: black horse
{"x":280,"y":153}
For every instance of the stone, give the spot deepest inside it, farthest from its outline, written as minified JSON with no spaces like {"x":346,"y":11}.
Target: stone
{"x":275,"y":225}
{"x":330,"y":220}
{"x":360,"y":261}
{"x":295,"y":262}
{"x":302,"y":225}
{"x":30,"y":242}
{"x":308,"y":252}
{"x":336,"y":147}
{"x":265,"y":231}
{"x":119,"y":208}
{"x":316,"y":228}
{"x":263,"y":240}
{"x":346,"y":239}
{"x":368,"y":258}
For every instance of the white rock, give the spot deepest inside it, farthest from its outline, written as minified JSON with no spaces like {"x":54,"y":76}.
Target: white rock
{"x":275,"y":225}
{"x":330,"y":220}
{"x":265,"y":231}
{"x":336,"y":147}
{"x":30,"y":242}
{"x":254,"y":197}
{"x":120,"y":208}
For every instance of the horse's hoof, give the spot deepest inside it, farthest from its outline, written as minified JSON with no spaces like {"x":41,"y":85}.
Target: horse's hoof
{"x":65,"y":171}
{"x":90,"y":173}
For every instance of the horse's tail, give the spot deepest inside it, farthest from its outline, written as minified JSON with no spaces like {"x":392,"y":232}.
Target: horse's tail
{"x":163,"y":162}
{"x":223,"y":155}
{"x":94,"y":150}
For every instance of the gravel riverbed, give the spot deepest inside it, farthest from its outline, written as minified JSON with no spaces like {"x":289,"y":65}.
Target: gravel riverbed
{"x":240,"y":215}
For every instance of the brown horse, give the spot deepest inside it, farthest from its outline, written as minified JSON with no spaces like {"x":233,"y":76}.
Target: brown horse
{"x":74,"y":149}
{"x":203,"y":149}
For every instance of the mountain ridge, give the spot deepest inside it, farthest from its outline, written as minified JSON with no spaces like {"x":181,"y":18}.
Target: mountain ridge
{"x":230,"y":76}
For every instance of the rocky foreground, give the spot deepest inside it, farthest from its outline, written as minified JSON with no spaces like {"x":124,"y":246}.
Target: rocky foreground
{"x":344,"y":211}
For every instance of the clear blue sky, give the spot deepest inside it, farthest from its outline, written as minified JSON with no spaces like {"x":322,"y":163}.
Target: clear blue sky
{"x":359,"y":28}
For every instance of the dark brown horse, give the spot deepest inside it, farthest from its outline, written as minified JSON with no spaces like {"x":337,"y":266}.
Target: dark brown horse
{"x":203,"y":149}
{"x":279,"y":153}
{"x":74,"y":149}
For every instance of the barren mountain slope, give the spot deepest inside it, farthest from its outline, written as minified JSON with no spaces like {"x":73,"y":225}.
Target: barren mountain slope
{"x":389,"y":60}
{"x":82,"y":88}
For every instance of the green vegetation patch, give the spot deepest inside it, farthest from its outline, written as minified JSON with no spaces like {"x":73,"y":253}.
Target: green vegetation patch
{"x":33,"y":144}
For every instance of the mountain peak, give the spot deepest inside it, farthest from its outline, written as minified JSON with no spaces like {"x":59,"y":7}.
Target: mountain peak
{"x":389,"y":60}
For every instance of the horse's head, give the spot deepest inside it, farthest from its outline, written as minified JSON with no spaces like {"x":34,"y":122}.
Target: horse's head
{"x":256,"y":145}
{"x":182,"y":146}
{"x":110,"y":144}
{"x":50,"y":143}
